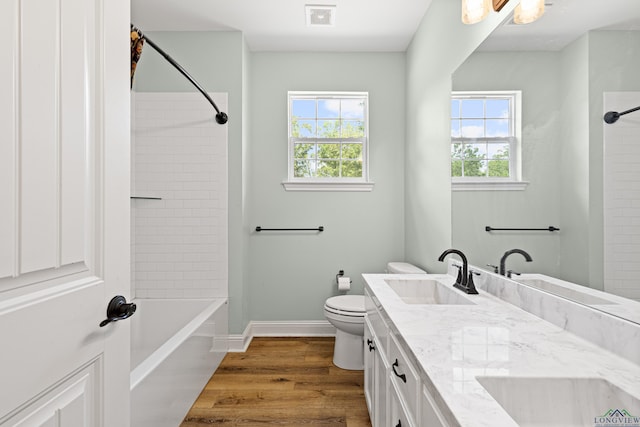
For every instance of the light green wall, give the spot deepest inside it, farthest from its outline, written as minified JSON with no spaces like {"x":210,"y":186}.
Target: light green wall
{"x":291,"y":274}
{"x":441,"y":44}
{"x":288,"y":277}
{"x":219,"y":62}
{"x":574,"y":174}
{"x":562,"y":147}
{"x":597,"y":62}
{"x":409,"y":213}
{"x":536,"y":75}
{"x":614,"y":64}
{"x":238,"y":289}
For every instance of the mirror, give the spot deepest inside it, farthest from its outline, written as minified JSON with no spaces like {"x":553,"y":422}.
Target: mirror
{"x":563,"y":64}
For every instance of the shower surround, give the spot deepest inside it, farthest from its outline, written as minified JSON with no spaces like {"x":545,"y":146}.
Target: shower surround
{"x":179,"y":155}
{"x":179,"y":252}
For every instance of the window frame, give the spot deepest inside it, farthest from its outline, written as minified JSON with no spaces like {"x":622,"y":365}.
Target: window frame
{"x":514,"y":181}
{"x":327,"y":183}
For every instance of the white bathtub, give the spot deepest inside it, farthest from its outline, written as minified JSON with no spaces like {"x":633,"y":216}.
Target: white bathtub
{"x":176,"y":345}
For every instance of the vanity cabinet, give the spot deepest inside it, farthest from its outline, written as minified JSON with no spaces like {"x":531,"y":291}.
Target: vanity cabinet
{"x":369,"y":366}
{"x":376,"y":381}
{"x":430,"y":414}
{"x":404,"y":376}
{"x":400,"y":415}
{"x":394,"y":391}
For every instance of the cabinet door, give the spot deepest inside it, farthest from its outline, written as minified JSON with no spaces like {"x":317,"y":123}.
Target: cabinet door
{"x":382,"y":385}
{"x":430,"y":415}
{"x":369,"y":370}
{"x":399,"y":415}
{"x":404,"y":376}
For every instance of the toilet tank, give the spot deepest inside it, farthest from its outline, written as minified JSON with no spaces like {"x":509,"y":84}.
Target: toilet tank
{"x":403,"y":268}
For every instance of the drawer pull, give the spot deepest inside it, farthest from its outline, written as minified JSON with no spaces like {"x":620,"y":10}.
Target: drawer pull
{"x":370,"y":344}
{"x":403,"y":377}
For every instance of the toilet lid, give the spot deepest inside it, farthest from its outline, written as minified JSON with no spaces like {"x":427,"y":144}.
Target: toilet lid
{"x":350,"y":303}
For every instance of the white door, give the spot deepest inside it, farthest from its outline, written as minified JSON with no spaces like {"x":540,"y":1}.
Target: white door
{"x":64,"y":211}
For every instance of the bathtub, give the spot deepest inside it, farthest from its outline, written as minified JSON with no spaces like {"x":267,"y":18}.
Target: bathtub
{"x":176,"y":345}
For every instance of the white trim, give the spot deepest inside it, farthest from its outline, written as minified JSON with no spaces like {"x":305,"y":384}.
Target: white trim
{"x":300,"y":328}
{"x":327,"y":186}
{"x":489,"y":186}
{"x":239,"y":343}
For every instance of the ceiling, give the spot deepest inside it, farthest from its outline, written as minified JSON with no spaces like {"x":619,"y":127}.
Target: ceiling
{"x":371,"y":25}
{"x":280,"y":25}
{"x":563,"y":22}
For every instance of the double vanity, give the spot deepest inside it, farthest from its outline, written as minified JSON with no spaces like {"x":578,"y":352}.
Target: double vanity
{"x":514,"y":354}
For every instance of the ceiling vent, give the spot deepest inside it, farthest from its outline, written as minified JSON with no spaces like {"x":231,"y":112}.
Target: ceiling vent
{"x":320,"y":15}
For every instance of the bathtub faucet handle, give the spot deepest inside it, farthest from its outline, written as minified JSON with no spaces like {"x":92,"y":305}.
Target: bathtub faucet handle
{"x":118,"y":309}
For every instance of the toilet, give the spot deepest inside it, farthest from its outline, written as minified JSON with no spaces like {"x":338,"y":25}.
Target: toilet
{"x":346,"y":313}
{"x":403,"y":268}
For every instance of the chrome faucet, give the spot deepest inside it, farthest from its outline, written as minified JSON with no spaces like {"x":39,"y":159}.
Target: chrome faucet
{"x":503,"y":260}
{"x":463,"y":282}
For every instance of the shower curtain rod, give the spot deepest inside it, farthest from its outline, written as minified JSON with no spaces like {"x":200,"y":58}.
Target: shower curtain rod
{"x":613,"y":116}
{"x":221,"y":117}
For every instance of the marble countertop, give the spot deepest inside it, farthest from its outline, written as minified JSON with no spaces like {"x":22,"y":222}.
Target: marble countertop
{"x":453,"y":344}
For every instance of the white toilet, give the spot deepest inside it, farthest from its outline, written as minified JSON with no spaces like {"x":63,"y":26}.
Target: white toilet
{"x":346,"y":313}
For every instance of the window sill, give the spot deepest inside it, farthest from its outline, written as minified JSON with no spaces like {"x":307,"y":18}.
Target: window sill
{"x":489,"y":185}
{"x":327,"y":186}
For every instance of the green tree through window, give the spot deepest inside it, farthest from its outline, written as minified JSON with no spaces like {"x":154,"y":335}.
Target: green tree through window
{"x":482,"y":135}
{"x":328,"y":136}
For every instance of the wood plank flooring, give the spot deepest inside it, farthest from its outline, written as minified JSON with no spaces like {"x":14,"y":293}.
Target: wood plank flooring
{"x":282,"y":382}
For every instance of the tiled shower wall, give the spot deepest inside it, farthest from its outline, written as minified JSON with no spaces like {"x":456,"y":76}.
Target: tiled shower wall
{"x":179,"y":154}
{"x":622,"y":197}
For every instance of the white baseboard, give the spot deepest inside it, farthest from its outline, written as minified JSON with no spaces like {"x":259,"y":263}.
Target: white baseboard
{"x":302,"y":328}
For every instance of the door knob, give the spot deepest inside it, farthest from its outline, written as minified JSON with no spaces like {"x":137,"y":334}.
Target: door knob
{"x":118,"y":309}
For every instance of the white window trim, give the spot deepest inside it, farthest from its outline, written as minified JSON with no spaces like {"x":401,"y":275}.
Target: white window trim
{"x":513,"y":183}
{"x":328,"y":184}
{"x":489,"y":186}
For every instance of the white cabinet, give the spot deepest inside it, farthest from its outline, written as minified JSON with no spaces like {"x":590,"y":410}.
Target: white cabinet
{"x":430,"y":414}
{"x":382,"y":385}
{"x":400,"y":415}
{"x":405,"y":377}
{"x":369,"y":367}
{"x":376,"y":380}
{"x":395,"y":394}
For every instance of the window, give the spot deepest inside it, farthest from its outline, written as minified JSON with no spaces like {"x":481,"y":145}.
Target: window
{"x":485,"y":133}
{"x":328,"y":141}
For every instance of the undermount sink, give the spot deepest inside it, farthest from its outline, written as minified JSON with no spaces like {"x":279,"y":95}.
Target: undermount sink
{"x":560,"y":401}
{"x":572,"y":294}
{"x":426,"y":291}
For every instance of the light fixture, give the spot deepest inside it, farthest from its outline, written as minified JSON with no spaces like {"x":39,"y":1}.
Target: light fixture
{"x":320,"y":15}
{"x":499,"y":4}
{"x":528,"y":11}
{"x":474,"y":11}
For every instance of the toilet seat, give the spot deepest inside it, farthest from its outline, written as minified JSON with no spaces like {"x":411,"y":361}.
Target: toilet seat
{"x":346,"y":305}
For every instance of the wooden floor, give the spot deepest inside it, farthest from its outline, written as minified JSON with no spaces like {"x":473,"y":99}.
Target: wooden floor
{"x":282,"y":382}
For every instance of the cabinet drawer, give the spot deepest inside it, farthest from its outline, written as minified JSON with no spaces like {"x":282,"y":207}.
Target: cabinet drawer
{"x":405,"y":376}
{"x":379,"y":327}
